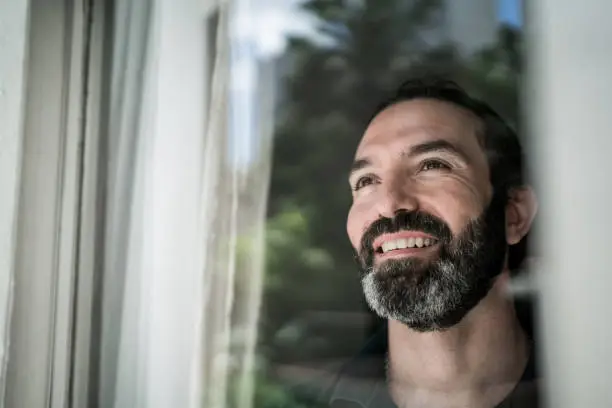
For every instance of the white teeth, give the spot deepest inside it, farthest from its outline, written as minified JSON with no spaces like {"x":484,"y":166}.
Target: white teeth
{"x":419,"y":242}
{"x":389,"y":246}
{"x":401,"y":243}
{"x":412,"y":242}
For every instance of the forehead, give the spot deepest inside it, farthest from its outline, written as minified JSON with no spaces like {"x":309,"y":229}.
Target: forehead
{"x":422,"y":120}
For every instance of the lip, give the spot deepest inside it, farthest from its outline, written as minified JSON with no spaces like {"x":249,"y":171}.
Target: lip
{"x":406,"y":252}
{"x":401,"y":235}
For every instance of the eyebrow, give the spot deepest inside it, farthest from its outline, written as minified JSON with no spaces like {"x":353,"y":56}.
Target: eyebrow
{"x":439,"y":145}
{"x":358,"y":165}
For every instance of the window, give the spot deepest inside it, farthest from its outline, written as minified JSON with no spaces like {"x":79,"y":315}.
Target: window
{"x":174,"y":194}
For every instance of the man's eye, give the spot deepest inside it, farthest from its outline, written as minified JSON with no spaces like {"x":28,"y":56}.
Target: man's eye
{"x":363,"y":182}
{"x":434,"y":165}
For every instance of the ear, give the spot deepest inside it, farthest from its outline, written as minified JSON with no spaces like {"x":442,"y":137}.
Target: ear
{"x":521,"y":209}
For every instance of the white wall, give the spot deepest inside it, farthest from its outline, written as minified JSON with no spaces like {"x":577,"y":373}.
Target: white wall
{"x":13,"y":42}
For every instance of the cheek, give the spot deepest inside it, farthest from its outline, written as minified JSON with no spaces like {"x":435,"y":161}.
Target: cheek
{"x":455,"y":204}
{"x":352,"y":227}
{"x":357,"y":221}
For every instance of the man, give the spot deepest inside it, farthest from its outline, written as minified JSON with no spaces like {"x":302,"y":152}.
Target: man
{"x":439,"y":205}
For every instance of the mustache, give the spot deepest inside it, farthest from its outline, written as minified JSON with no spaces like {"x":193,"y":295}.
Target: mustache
{"x":406,"y":221}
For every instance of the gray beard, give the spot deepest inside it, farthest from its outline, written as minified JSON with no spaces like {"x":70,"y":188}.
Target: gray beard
{"x":434,"y":295}
{"x":433,"y":301}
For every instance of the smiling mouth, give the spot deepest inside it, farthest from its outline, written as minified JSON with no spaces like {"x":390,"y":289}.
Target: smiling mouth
{"x":404,"y":245}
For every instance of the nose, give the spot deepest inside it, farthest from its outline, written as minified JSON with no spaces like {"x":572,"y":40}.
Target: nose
{"x":397,"y":196}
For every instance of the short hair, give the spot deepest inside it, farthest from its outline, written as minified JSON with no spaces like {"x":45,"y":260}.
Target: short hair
{"x":499,"y":140}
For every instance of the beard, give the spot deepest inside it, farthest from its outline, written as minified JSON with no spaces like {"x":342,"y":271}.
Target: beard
{"x":436,"y":293}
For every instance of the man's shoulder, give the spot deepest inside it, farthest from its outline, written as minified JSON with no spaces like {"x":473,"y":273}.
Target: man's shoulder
{"x":315,"y":393}
{"x":345,"y":388}
{"x":361,"y":383}
{"x":356,"y":382}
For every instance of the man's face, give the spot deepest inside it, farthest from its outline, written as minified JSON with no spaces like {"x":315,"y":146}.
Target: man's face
{"x":429,"y":233}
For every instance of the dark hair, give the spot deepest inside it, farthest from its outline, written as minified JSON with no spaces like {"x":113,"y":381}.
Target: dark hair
{"x":499,"y":140}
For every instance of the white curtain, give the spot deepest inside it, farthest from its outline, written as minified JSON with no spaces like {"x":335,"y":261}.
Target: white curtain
{"x":174,"y":332}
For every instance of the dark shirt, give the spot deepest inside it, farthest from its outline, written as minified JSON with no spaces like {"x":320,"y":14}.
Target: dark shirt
{"x":362,"y":383}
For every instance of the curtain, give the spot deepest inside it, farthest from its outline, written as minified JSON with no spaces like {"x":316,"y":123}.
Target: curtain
{"x":179,"y":309}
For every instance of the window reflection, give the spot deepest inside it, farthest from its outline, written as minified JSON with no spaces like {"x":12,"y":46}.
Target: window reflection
{"x":333,"y":62}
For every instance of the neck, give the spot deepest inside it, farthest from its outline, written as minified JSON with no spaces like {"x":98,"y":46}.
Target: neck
{"x":475,"y":363}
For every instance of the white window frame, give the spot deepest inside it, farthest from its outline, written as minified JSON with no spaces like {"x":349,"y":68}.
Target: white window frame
{"x":13,"y":54}
{"x":51,"y":239}
{"x":49,"y":192}
{"x":568,"y":99}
